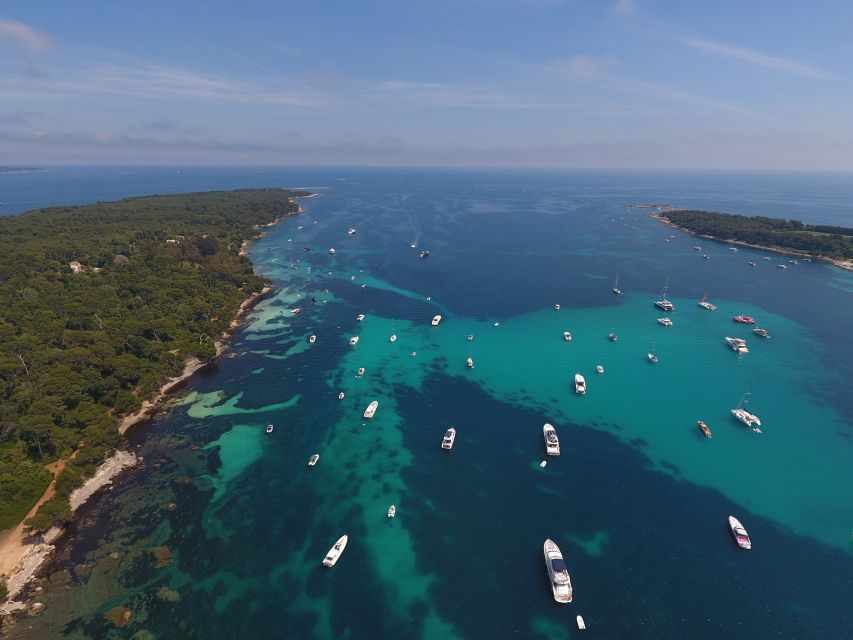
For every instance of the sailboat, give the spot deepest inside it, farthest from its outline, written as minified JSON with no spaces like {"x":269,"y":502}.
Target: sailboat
{"x":663,"y":304}
{"x":740,"y":412}
{"x":616,"y":288}
{"x":651,"y":355}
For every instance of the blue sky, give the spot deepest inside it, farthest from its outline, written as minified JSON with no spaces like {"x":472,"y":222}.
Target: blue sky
{"x":564,"y":83}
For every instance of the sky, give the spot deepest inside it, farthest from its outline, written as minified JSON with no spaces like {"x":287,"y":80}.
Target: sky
{"x":764,"y":85}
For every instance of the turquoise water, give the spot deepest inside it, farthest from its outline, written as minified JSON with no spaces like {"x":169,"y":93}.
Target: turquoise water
{"x":638,"y":500}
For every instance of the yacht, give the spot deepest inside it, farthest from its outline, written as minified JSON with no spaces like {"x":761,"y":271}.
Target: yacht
{"x":581,"y":623}
{"x":737,"y":344}
{"x":705,"y":304}
{"x":567,"y":336}
{"x":360,"y":372}
{"x":332,"y":251}
{"x":436,"y":320}
{"x":704,"y":428}
{"x":760,"y":332}
{"x":448,"y":439}
{"x":651,"y":355}
{"x":269,"y":429}
{"x":423,"y":254}
{"x":351,"y":231}
{"x":353,"y":341}
{"x":740,"y":534}
{"x":743,"y":319}
{"x":393,"y":338}
{"x":312,"y":339}
{"x":341,"y":395}
{"x":360,"y":317}
{"x":552,"y":443}
{"x":558,"y":574}
{"x":371,"y":409}
{"x":665,"y":322}
{"x":335,"y":552}
{"x":470,"y":362}
{"x":616,"y":288}
{"x":740,"y":412}
{"x":580,"y":384}
{"x":599,"y":368}
{"x":313,"y":459}
{"x":392,"y":511}
{"x":556,"y":307}
{"x":663,"y":304}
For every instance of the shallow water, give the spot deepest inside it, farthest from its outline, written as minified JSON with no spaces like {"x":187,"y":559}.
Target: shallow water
{"x":638,"y":500}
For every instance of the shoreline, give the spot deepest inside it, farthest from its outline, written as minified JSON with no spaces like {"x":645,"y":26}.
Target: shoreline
{"x":29,"y":553}
{"x":660,"y":216}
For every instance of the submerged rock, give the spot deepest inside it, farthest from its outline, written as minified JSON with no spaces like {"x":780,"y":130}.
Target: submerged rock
{"x":119,"y":616}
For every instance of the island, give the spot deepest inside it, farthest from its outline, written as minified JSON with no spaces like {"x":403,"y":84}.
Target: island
{"x":106,"y":307}
{"x":829,"y":243}
{"x":20,"y":169}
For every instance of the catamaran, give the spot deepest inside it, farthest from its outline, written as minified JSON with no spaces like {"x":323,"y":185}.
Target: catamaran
{"x":558,"y":574}
{"x":705,"y":304}
{"x":552,"y":443}
{"x":742,"y":414}
{"x":663,"y":304}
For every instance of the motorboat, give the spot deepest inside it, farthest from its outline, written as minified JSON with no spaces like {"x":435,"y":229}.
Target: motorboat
{"x":663,"y":304}
{"x":341,"y":395}
{"x":371,"y":409}
{"x":470,"y":337}
{"x":782,"y":266}
{"x":312,"y":339}
{"x":312,"y":461}
{"x":581,"y":623}
{"x":436,"y":320}
{"x":697,"y":248}
{"x":360,"y":317}
{"x":558,"y":574}
{"x":737,"y":344}
{"x":612,"y":336}
{"x":567,"y":336}
{"x":704,"y":428}
{"x":616,"y":290}
{"x":552,"y":443}
{"x":300,"y":227}
{"x":580,"y":384}
{"x":707,"y":305}
{"x":739,"y":533}
{"x":360,"y":372}
{"x":599,"y":368}
{"x":470,"y":362}
{"x":335,"y":552}
{"x":332,"y":251}
{"x":768,"y":258}
{"x":733,"y":249}
{"x":665,"y":322}
{"x":393,"y":338}
{"x":392,"y":511}
{"x":707,"y":257}
{"x":448,"y":439}
{"x":743,"y":319}
{"x":296,"y":311}
{"x":543,"y":464}
{"x":353,"y":341}
{"x":423,"y":254}
{"x":740,"y":411}
{"x":751,"y":263}
{"x":651,"y":355}
{"x":760,"y":332}
{"x":556,"y":307}
{"x":350,"y":231}
{"x":270,"y":428}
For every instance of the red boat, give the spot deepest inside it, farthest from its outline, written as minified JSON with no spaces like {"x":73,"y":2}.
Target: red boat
{"x":704,"y":428}
{"x":744,"y":319}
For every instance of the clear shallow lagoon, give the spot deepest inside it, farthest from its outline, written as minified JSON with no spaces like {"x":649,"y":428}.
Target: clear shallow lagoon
{"x":638,"y":500}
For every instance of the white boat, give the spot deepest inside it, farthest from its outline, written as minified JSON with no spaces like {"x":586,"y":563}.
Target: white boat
{"x":351,"y":231}
{"x":371,"y":409}
{"x":705,"y":304}
{"x":552,"y":442}
{"x":313,"y":459}
{"x":332,"y":251}
{"x":651,"y":355}
{"x":393,"y":338}
{"x":436,"y":320}
{"x":665,"y":322}
{"x":341,"y":395}
{"x":782,"y":266}
{"x":768,"y":258}
{"x":697,"y":248}
{"x":558,"y":574}
{"x":556,"y":307}
{"x":707,"y":257}
{"x":353,"y":341}
{"x":616,"y":288}
{"x":312,"y":339}
{"x":360,"y":372}
{"x":740,"y":534}
{"x":599,"y":368}
{"x":567,"y":336}
{"x":612,"y":336}
{"x":448,"y":439}
{"x":581,"y":623}
{"x":543,"y":464}
{"x":733,"y":249}
{"x":740,"y":412}
{"x":335,"y":552}
{"x":580,"y":384}
{"x":737,"y":344}
{"x":269,"y":429}
{"x":392,"y":511}
{"x":663,"y":304}
{"x":470,"y":362}
{"x":360,"y":317}
{"x":470,"y":337}
{"x":751,"y":263}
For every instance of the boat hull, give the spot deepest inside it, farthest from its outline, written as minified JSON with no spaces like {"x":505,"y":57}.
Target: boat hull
{"x":558,"y":575}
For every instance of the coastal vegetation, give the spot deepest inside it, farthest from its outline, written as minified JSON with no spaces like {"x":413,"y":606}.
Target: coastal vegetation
{"x":103,"y":303}
{"x":828,"y":241}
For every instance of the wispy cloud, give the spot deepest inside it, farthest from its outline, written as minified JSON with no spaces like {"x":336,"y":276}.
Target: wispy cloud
{"x":23,"y":38}
{"x":756,"y":58}
{"x":624,"y":7}
{"x":587,"y":66}
{"x":17,"y":118}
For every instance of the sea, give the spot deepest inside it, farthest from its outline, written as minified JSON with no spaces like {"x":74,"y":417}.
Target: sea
{"x":220,"y":532}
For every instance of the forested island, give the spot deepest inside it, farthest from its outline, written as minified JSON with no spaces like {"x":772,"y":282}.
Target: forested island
{"x":829,"y":242}
{"x":101,"y":304}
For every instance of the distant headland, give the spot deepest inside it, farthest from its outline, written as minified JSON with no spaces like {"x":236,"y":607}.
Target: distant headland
{"x":20,"y":169}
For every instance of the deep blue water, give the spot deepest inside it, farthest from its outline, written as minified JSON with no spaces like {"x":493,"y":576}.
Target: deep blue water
{"x":638,"y":500}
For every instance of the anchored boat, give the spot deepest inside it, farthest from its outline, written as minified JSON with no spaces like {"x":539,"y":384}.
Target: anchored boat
{"x":335,"y":552}
{"x":558,"y":574}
